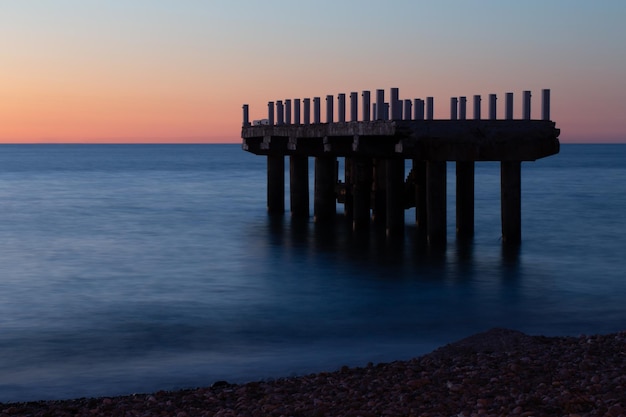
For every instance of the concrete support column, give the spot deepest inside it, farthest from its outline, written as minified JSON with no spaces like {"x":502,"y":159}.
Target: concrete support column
{"x":270,"y":113}
{"x":341,"y":107}
{"x":477,"y":100}
{"x":366,"y":106}
{"x":419,"y":109}
{"x":380,"y":105}
{"x":330,"y":109}
{"x":436,"y":202}
{"x":324,"y":205}
{"x":408,"y":109}
{"x":296,"y":111}
{"x":280,"y":113}
{"x":299,"y":185}
{"x":275,"y":184}
{"x":421,"y":207}
{"x":454,"y":108}
{"x":348,"y":204}
{"x":361,"y":191}
{"x":316,"y":110}
{"x":354,"y":107}
{"x":511,"y":199}
{"x":288,"y":112}
{"x":430,"y":108}
{"x":246,"y":117}
{"x":545,"y":104}
{"x":526,"y":106}
{"x":462,"y":108}
{"x":396,"y":109}
{"x":465,"y":199}
{"x":395,"y":197}
{"x":307,"y":111}
{"x":508,"y":106}
{"x":380,"y":192}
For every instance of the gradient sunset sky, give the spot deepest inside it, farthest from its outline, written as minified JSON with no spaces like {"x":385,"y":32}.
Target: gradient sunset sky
{"x":179,"y":70}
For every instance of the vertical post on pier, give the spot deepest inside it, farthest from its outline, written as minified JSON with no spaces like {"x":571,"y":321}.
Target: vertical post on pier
{"x":545,"y":104}
{"x":454,"y":108}
{"x":354,"y":106}
{"x":246,"y":117}
{"x":477,"y":100}
{"x":526,"y":106}
{"x":366,"y":106}
{"x":380,"y":105}
{"x":299,"y":185}
{"x":509,"y":106}
{"x":341,"y":107}
{"x":296,"y":111}
{"x":329,"y":108}
{"x":361,"y":192}
{"x":430,"y":108}
{"x":316,"y":110}
{"x":324,"y":205}
{"x":436,"y":177}
{"x":396,"y":110}
{"x":275,"y":184}
{"x":462,"y":108}
{"x":492,"y":106}
{"x":270,"y":113}
{"x":395,"y":197}
{"x":288,"y":112}
{"x":280,"y":113}
{"x":419,"y":109}
{"x":307,"y":111}
{"x":465,"y":190}
{"x":408,"y":109}
{"x":511,"y":201}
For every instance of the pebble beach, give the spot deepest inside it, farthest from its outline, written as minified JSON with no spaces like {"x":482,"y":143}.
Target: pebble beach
{"x":496,"y":373}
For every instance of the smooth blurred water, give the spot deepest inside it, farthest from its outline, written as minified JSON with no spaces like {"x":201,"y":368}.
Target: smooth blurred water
{"x":135,"y":268}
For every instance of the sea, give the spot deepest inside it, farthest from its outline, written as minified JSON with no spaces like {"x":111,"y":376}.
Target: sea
{"x":137,"y":268}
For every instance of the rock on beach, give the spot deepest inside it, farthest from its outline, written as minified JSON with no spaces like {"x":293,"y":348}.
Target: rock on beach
{"x":496,"y":373}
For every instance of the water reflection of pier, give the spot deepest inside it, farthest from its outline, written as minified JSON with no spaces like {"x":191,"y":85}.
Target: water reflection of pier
{"x":376,"y":187}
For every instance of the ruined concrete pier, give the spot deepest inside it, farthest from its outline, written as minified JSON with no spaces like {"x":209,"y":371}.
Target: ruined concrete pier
{"x":376,"y":185}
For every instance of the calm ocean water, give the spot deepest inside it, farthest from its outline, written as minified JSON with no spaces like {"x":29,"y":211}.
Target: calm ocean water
{"x":136,"y":268}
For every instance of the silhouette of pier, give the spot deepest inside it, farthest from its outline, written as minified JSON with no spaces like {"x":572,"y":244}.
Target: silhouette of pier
{"x":375,"y":147}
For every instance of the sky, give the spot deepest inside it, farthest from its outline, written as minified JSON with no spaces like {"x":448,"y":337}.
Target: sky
{"x":179,"y":71}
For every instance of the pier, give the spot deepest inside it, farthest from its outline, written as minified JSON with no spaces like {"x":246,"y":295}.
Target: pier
{"x":376,"y":145}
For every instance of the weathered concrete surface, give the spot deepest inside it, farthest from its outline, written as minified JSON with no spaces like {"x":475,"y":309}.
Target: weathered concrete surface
{"x":429,"y":140}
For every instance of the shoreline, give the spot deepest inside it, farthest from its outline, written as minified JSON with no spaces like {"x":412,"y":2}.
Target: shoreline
{"x":498,"y":372}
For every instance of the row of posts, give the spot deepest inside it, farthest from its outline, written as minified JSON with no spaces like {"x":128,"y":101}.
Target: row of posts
{"x":396,"y":109}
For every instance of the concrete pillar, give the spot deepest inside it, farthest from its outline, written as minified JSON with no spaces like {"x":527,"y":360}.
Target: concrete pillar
{"x":341,"y":107}
{"x":307,"y":111}
{"x":288,"y":112}
{"x":296,"y":111}
{"x":408,"y":109}
{"x":316,"y":110}
{"x":511,"y":201}
{"x":421,"y":208}
{"x":329,"y":108}
{"x":324,"y":204}
{"x":380,"y":191}
{"x":419,"y":109}
{"x":348,"y":203}
{"x":366,"y":106}
{"x":299,"y":185}
{"x":354,"y":107}
{"x":477,"y":100}
{"x":545,"y":104}
{"x":436,"y":202}
{"x":395,"y":197}
{"x":454,"y":108}
{"x":386,"y":112}
{"x":430,"y":108}
{"x":509,"y":106}
{"x":275,"y":184}
{"x":462,"y":108}
{"x":361,"y":191}
{"x":280,"y":113}
{"x":492,"y":106}
{"x":380,"y":105}
{"x":526,"y":106}
{"x":270,"y":113}
{"x":246,"y":116}
{"x":395,"y":104}
{"x":465,"y":199}
{"x":374,"y":111}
